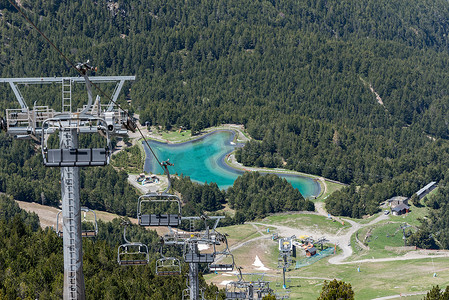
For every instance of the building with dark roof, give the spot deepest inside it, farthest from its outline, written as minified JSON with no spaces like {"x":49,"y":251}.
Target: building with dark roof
{"x":311,"y":251}
{"x":397,"y":200}
{"x":400,"y":209}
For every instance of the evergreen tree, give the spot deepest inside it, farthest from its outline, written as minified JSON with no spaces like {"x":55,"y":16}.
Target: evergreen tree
{"x":333,"y":290}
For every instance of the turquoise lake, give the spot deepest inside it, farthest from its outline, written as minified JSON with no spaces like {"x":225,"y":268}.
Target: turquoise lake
{"x":203,"y":160}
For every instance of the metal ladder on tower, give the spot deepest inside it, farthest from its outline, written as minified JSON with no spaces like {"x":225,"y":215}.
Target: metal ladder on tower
{"x":192,"y":225}
{"x":66,"y":95}
{"x":71,"y":226}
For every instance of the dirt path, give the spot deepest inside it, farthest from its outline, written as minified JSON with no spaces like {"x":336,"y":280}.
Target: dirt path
{"x":238,"y":129}
{"x":323,"y":182}
{"x":341,"y":239}
{"x":418,"y":254}
{"x":239,"y":245}
{"x":47,"y":214}
{"x":400,"y":295}
{"x":258,"y":230}
{"x":319,"y":207}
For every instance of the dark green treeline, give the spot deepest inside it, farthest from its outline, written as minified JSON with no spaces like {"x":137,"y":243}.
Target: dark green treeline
{"x":31,"y":262}
{"x":300,"y":75}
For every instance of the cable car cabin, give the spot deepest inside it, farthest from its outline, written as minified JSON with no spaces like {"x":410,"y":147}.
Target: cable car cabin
{"x":159,"y":209}
{"x":221,"y":267}
{"x":192,"y":257}
{"x":168,"y":266}
{"x":133,"y":254}
{"x":68,"y":155}
{"x":89,"y":224}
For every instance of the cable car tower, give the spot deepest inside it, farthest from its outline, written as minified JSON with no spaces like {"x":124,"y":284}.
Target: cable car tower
{"x":42,"y":122}
{"x":286,"y":251}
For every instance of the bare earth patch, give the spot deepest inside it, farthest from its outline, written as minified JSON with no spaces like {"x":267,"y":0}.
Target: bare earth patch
{"x":47,"y":214}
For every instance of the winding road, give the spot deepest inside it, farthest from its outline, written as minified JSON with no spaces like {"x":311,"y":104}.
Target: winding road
{"x":342,"y":239}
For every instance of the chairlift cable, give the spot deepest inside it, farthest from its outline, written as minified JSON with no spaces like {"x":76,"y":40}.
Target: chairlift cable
{"x":80,"y":71}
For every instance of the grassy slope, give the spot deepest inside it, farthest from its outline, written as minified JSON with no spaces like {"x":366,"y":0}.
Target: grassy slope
{"x":376,"y":279}
{"x":305,"y":220}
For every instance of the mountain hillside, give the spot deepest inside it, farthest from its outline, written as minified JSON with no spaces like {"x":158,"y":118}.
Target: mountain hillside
{"x":355,"y":91}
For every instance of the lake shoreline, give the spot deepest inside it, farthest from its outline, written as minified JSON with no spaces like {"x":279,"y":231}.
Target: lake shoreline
{"x":237,"y":129}
{"x":196,"y":139}
{"x":228,"y":162}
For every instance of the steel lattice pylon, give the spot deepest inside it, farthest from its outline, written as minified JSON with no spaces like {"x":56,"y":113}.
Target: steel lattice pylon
{"x":40,"y":122}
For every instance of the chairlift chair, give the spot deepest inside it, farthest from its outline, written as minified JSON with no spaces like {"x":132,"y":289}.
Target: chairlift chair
{"x":192,"y":256}
{"x":132,"y":253}
{"x":186,"y":294}
{"x":236,"y":290}
{"x":75,"y":157}
{"x":168,"y":266}
{"x":85,"y":232}
{"x":135,"y":249}
{"x":158,"y":219}
{"x":90,"y":232}
{"x":197,"y":257}
{"x":226,"y":253}
{"x":223,"y":267}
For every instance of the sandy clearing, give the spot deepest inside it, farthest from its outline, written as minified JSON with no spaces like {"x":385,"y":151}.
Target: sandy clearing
{"x":47,"y":214}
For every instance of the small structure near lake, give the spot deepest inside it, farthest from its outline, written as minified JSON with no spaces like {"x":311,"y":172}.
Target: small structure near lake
{"x":397,"y":200}
{"x":425,"y":190}
{"x":398,"y":205}
{"x":400,"y":209}
{"x":143,"y":179}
